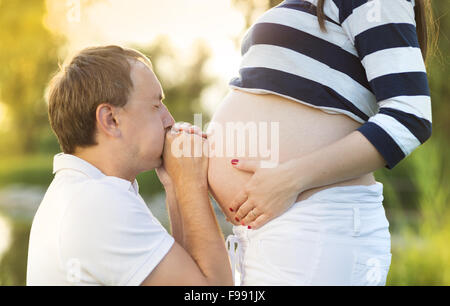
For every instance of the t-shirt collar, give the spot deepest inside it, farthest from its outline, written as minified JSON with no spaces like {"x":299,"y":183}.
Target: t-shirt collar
{"x":63,"y":161}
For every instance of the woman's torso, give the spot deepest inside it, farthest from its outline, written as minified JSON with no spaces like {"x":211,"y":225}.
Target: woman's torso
{"x":302,"y":129}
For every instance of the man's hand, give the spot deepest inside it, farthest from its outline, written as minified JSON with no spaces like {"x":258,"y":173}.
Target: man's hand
{"x":185,"y":158}
{"x":163,"y":176}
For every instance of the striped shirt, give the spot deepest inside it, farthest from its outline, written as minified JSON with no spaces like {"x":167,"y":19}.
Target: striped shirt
{"x":368,"y":66}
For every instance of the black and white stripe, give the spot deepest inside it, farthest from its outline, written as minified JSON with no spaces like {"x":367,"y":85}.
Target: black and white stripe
{"x":370,"y":70}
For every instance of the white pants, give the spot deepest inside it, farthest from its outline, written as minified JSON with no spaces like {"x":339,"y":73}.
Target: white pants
{"x":338,"y":236}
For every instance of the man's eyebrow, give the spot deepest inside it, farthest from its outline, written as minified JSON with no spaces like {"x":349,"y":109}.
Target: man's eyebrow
{"x":162,"y":96}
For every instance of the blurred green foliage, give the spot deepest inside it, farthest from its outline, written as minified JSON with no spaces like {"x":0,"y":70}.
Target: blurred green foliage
{"x":421,"y":252}
{"x":13,"y":263}
{"x":416,"y":192}
{"x":28,"y":56}
{"x":183,"y":93}
{"x":32,"y":169}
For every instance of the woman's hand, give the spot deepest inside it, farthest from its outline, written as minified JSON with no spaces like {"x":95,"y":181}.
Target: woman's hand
{"x":268,"y":194}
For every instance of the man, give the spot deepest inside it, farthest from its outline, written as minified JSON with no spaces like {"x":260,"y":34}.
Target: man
{"x":93,"y":227}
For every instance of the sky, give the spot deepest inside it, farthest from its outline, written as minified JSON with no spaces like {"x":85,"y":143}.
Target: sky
{"x":95,"y":22}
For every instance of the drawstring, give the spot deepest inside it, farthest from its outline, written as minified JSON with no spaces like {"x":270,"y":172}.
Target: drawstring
{"x":356,"y":222}
{"x":234,"y":250}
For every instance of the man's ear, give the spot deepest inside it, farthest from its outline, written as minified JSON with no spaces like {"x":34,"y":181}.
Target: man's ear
{"x":107,"y":121}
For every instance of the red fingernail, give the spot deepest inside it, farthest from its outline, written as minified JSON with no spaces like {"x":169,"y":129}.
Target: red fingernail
{"x":242,"y":223}
{"x":249,"y":227}
{"x":234,"y":161}
{"x":231,"y":209}
{"x":236,"y":218}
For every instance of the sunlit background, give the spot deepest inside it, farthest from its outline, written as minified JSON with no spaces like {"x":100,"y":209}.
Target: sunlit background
{"x":195,"y":49}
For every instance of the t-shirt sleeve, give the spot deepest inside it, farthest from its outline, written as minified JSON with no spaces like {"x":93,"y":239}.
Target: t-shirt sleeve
{"x":384,"y":35}
{"x":110,"y":238}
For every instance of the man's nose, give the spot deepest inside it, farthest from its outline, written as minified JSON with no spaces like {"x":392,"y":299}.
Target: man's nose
{"x":168,"y":120}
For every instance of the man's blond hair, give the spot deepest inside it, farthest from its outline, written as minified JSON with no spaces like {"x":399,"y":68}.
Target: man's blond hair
{"x":94,"y":76}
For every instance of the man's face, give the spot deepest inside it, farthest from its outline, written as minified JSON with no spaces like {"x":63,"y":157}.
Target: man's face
{"x":145,"y":119}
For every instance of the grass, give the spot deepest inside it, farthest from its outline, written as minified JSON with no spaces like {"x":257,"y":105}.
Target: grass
{"x":27,"y":170}
{"x":37,"y":170}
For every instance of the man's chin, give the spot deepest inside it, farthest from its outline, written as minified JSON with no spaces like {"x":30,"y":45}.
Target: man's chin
{"x":157,"y":163}
{"x":153,"y":164}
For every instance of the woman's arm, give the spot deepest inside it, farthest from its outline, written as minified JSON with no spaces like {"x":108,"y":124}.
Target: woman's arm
{"x":351,"y":157}
{"x":390,"y":53}
{"x":345,"y":159}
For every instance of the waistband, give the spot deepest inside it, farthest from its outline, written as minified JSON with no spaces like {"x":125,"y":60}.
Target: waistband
{"x":353,"y":194}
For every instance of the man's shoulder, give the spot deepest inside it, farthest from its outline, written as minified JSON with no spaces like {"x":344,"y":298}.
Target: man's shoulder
{"x":98,"y":202}
{"x":90,"y":193}
{"x":103,"y":192}
{"x":102,"y":188}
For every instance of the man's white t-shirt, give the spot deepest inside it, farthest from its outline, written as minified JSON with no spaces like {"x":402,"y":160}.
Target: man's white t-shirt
{"x":93,"y":229}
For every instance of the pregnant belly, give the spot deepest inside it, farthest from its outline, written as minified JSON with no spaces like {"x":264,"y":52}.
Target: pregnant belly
{"x":271,"y":129}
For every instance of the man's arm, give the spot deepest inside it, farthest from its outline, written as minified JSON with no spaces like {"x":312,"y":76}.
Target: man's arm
{"x":176,"y":225}
{"x":185,"y":209}
{"x":202,"y":258}
{"x":202,"y":233}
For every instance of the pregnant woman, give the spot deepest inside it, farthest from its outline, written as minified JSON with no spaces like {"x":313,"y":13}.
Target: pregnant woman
{"x":346,"y":85}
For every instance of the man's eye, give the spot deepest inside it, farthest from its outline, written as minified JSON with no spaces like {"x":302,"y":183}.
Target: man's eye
{"x":157,"y":106}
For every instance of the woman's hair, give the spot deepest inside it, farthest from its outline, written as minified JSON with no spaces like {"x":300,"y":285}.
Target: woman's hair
{"x":427,"y":30}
